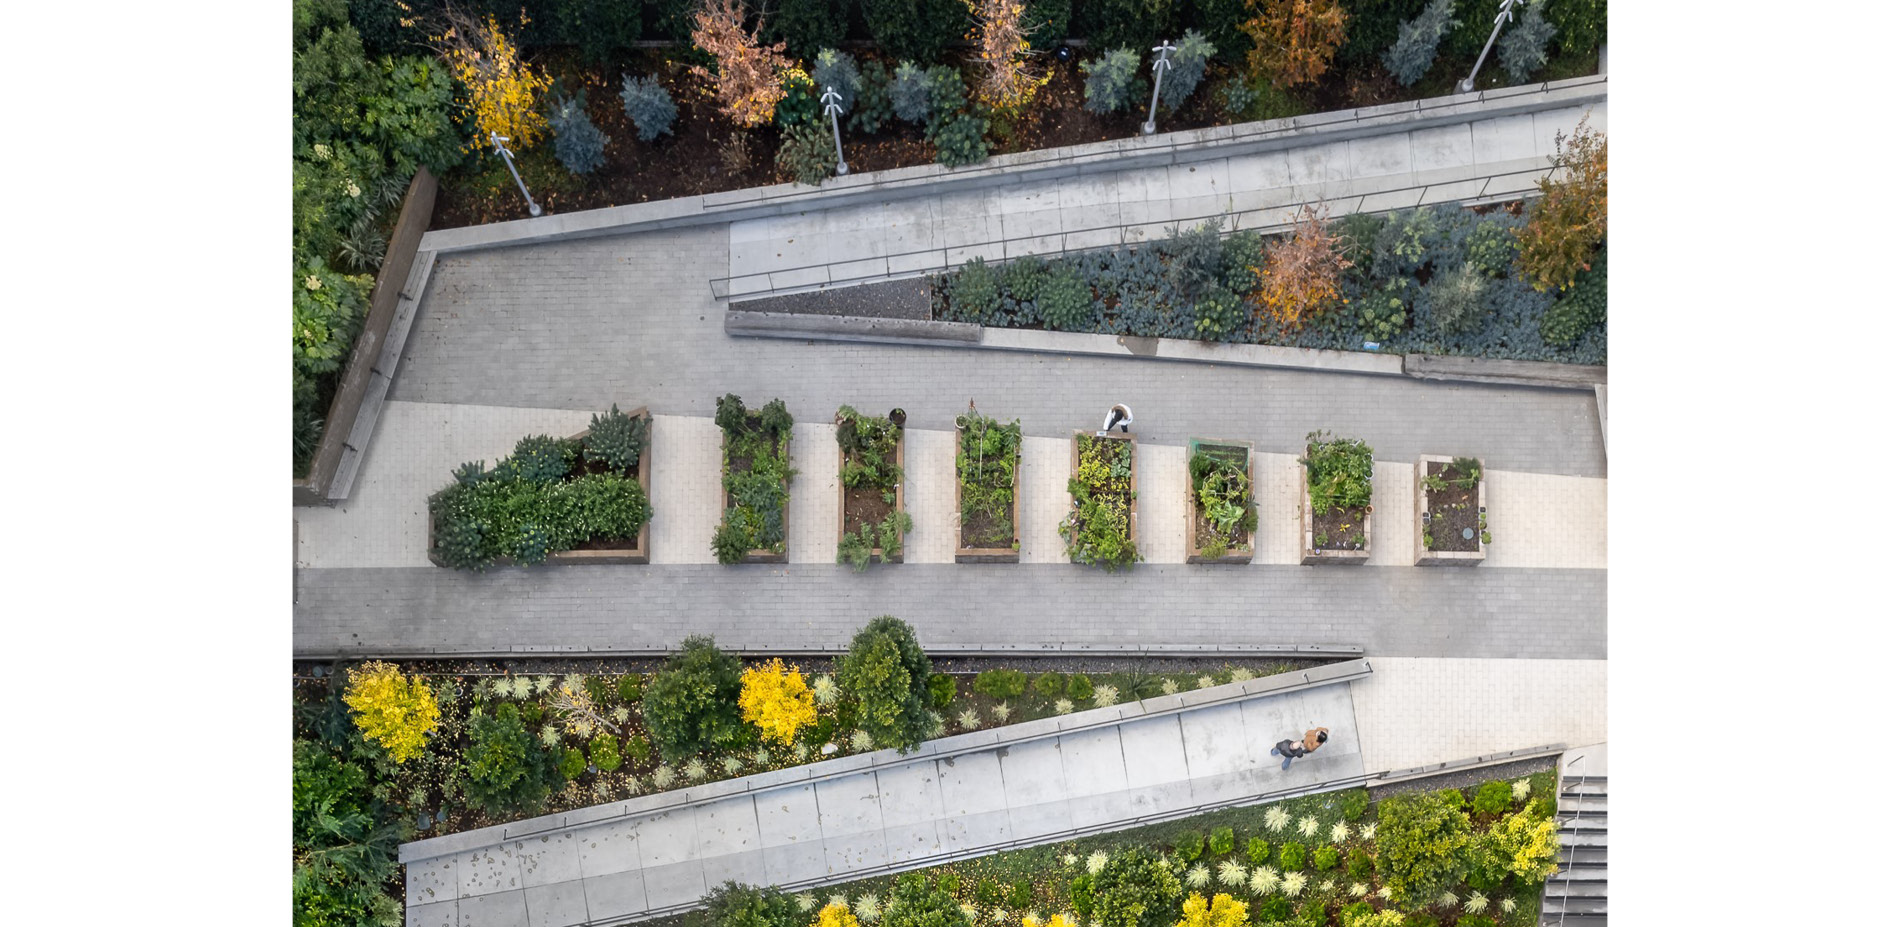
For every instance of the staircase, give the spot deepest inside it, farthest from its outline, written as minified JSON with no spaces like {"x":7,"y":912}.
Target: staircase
{"x":1579,"y":894}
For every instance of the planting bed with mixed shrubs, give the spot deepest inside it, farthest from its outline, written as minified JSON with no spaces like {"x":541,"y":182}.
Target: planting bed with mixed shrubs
{"x":551,"y":495}
{"x":872,"y":521}
{"x":383,"y":755}
{"x":1100,"y":527}
{"x":1435,"y":280}
{"x":757,"y":476}
{"x":1448,"y":858}
{"x":630,"y":124}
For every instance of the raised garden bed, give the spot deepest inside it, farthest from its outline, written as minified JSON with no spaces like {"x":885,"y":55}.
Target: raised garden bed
{"x":576,"y":500}
{"x":1221,"y":515}
{"x":871,"y":518}
{"x":1100,"y":529}
{"x":989,"y":489}
{"x":1451,"y":529}
{"x":1335,"y":500}
{"x":757,"y":478}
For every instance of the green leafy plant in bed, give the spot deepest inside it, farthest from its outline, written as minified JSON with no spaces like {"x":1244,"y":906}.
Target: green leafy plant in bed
{"x":1224,"y":496}
{"x":869,"y":446}
{"x":550,"y":495}
{"x":1100,"y":529}
{"x":987,"y":456}
{"x":1338,"y":478}
{"x":760,"y":441}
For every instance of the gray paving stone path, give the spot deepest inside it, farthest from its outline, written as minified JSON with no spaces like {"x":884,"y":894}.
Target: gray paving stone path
{"x":630,"y":320}
{"x":1390,"y":611}
{"x":611,"y":864}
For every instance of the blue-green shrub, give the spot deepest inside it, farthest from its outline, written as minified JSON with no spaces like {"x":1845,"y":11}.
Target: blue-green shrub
{"x":910,"y":93}
{"x":649,"y":106}
{"x":579,"y":144}
{"x":1110,"y":81}
{"x":1187,"y":65}
{"x":1522,"y":47}
{"x":1411,"y":56}
{"x":836,"y":70}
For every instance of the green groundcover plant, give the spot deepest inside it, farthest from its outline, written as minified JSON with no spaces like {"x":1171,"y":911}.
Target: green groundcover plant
{"x":988,"y":454}
{"x":757,"y":475}
{"x":550,"y":495}
{"x":1100,"y":529}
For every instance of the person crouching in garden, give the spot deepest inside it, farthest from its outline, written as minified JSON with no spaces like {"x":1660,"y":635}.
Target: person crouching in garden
{"x":1119,"y":415}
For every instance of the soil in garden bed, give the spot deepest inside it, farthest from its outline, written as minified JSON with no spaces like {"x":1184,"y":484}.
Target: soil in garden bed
{"x":1453,"y":510}
{"x":984,"y":531}
{"x":865,"y":505}
{"x":893,"y":299}
{"x":1337,"y":537}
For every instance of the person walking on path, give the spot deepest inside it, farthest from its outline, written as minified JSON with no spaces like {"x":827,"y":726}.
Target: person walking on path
{"x":1119,"y":415}
{"x":1314,"y":739}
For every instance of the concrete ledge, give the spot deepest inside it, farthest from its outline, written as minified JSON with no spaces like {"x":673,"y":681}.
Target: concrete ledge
{"x":1046,"y":165}
{"x":765,"y":649}
{"x":943,"y":747}
{"x":1450,"y":368}
{"x":1507,"y":372}
{"x":804,"y":327}
{"x":1603,"y":414}
{"x":1181,"y":349}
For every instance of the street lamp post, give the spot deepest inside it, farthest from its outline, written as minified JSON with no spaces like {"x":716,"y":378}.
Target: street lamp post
{"x":832,"y":109}
{"x":1504,"y":14}
{"x":534,"y":208}
{"x":1162,"y":64}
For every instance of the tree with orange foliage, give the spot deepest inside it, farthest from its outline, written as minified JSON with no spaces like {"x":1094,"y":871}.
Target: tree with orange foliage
{"x":1293,"y":40}
{"x":1006,"y":83}
{"x":1573,"y":217}
{"x":501,"y":90}
{"x":748,"y":85}
{"x":1301,"y":274}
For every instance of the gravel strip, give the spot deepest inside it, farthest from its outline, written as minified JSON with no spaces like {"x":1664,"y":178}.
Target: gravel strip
{"x":1033,"y":665}
{"x":892,"y":299}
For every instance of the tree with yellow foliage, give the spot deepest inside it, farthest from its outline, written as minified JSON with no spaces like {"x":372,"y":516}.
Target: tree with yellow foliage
{"x":777,"y":700}
{"x":1293,"y":40}
{"x":748,"y":85}
{"x":391,"y":709}
{"x":1221,"y":911}
{"x":836,"y":915}
{"x":1006,"y":83}
{"x":1571,"y":220}
{"x":1301,"y":273}
{"x":501,"y":91}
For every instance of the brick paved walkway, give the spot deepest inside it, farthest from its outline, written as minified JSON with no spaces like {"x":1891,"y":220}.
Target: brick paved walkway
{"x":579,"y":325}
{"x":1390,"y":611}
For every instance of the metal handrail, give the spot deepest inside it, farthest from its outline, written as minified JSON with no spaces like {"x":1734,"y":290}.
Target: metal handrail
{"x":1564,"y":786}
{"x":721,"y":287}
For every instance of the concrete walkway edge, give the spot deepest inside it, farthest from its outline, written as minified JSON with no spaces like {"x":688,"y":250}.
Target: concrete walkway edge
{"x":1043,"y":165}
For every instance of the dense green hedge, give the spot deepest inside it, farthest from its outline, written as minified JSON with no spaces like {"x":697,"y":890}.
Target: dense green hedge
{"x":923,"y":31}
{"x":360,"y":126}
{"x":550,"y":495}
{"x":1437,"y":280}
